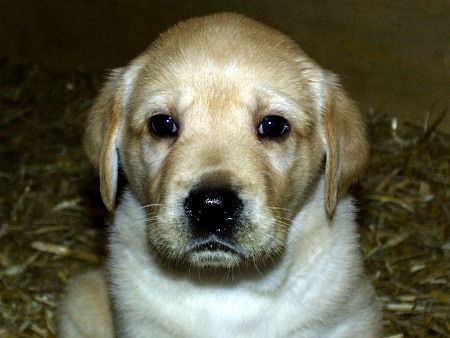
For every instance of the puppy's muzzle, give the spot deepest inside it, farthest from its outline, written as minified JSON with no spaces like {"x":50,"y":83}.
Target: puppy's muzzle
{"x":213,"y":212}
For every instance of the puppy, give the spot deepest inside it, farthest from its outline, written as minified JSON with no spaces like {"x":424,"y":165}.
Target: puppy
{"x":238,"y":151}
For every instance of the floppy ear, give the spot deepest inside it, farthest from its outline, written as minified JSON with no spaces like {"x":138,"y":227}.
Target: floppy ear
{"x":346,"y":145}
{"x":102,"y":136}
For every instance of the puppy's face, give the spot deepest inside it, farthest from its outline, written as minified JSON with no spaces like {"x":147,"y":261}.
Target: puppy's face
{"x":221,"y":133}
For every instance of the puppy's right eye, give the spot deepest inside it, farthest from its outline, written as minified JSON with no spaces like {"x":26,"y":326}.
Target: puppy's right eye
{"x":163,"y":125}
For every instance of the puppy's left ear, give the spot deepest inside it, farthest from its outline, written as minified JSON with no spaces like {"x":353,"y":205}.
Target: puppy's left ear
{"x":346,"y":144}
{"x":102,"y":135}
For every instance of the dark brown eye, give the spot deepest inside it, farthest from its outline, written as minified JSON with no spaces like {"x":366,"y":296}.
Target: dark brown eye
{"x":273,"y":126}
{"x":163,"y":125}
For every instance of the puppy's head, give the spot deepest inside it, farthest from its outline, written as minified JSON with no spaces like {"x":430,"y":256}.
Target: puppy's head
{"x":221,"y":128}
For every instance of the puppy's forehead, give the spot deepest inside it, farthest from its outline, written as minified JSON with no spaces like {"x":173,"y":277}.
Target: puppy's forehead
{"x":230,"y":42}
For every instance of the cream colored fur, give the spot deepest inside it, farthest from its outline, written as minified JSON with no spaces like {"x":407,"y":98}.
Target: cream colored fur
{"x":301,"y":272}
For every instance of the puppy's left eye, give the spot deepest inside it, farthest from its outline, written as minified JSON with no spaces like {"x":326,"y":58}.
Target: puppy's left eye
{"x":273,"y":126}
{"x":163,"y":125}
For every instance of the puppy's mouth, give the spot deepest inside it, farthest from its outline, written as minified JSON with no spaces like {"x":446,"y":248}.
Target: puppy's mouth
{"x":213,"y":251}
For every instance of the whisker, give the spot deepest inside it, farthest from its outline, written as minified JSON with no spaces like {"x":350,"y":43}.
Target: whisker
{"x":278,"y":208}
{"x":256,"y":265}
{"x":151,"y":205}
{"x":280,"y":222}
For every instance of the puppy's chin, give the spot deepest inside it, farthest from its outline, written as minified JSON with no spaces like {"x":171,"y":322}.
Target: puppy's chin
{"x":216,"y":259}
{"x":213,"y":253}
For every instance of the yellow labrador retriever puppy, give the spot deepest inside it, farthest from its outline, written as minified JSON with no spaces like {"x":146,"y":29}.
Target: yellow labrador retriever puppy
{"x":238,"y":151}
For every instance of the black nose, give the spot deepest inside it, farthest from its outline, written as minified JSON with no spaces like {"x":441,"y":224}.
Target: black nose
{"x":213,"y":210}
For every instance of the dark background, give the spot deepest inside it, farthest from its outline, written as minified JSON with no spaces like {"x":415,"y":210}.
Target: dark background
{"x":391,"y":55}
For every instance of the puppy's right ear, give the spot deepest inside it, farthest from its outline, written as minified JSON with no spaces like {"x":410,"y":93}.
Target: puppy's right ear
{"x":102,"y":135}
